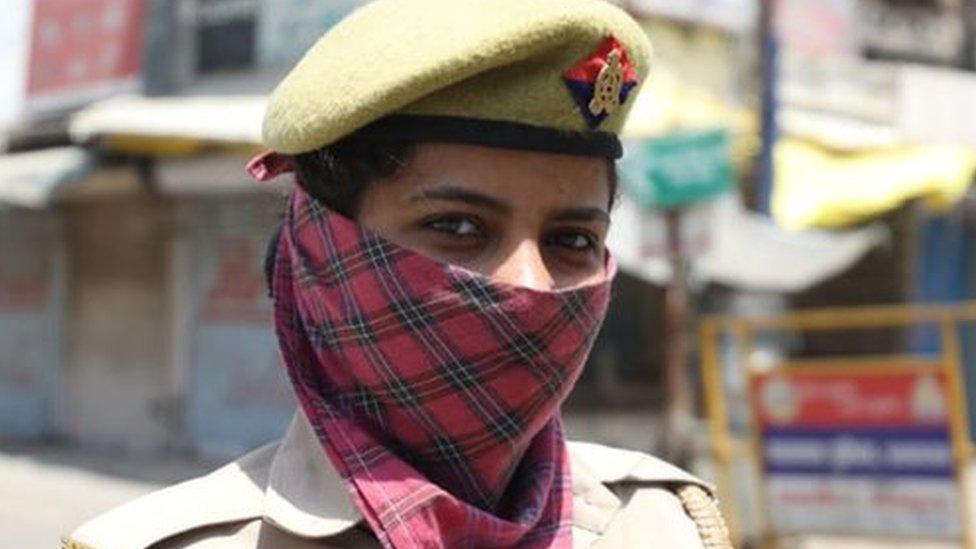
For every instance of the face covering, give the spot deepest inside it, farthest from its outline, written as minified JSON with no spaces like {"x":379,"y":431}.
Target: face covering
{"x":434,"y":391}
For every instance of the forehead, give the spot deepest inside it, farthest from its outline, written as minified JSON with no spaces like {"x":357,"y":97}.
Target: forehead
{"x":529,"y":178}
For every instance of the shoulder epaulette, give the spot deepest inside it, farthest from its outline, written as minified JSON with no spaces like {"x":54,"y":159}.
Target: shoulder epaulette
{"x":704,"y":512}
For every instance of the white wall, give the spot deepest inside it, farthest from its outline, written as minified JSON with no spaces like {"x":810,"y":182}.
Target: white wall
{"x":937,"y":105}
{"x":14,"y":51}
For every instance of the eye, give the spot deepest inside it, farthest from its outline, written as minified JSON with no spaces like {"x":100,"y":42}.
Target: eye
{"x":455,"y":225}
{"x":574,"y":241}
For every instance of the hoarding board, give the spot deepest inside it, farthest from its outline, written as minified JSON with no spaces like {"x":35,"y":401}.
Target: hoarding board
{"x":915,"y":32}
{"x":81,"y":50}
{"x":857,"y":452}
{"x":680,"y":168}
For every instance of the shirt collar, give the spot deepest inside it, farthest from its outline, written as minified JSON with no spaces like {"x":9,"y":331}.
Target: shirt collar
{"x":305,"y":495}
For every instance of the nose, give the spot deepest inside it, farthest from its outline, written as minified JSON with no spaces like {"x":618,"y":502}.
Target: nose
{"x":524,"y":266}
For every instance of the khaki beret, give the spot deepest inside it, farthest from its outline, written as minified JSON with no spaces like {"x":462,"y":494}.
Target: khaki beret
{"x":549,"y":75}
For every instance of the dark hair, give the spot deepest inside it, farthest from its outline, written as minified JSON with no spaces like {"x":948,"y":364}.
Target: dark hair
{"x":337,"y":175}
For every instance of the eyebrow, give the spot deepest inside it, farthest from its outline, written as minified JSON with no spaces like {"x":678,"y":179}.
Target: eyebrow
{"x":451,"y":193}
{"x":583,"y":214}
{"x":459,"y":194}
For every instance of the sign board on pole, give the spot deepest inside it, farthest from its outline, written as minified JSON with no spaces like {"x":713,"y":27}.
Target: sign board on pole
{"x":679,"y":169}
{"x":857,"y":451}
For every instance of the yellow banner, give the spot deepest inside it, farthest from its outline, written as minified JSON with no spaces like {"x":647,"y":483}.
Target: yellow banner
{"x":819,"y":188}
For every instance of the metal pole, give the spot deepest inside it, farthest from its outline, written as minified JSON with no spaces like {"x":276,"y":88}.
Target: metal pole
{"x":679,"y":402}
{"x":959,"y":421}
{"x":969,"y":14}
{"x":713,"y":390}
{"x":768,"y":64}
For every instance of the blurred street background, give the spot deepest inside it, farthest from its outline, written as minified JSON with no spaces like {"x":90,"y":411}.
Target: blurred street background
{"x":794,"y":319}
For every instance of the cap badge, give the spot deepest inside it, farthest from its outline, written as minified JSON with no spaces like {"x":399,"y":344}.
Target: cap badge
{"x":601,"y":83}
{"x":606,"y":96}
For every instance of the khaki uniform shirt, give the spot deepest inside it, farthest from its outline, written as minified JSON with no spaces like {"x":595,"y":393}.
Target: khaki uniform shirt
{"x":287,"y":495}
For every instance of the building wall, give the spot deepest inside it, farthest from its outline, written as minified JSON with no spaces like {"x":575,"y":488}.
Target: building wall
{"x":117,"y":379}
{"x":237,"y":394}
{"x":31,"y":269}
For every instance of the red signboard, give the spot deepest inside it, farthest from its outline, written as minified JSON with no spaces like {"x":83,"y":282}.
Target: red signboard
{"x":82,"y":49}
{"x":852,"y":398}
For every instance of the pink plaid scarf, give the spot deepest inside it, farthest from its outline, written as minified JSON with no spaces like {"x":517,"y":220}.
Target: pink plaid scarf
{"x":434,"y":391}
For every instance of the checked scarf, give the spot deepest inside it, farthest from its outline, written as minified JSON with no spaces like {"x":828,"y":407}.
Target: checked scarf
{"x":434,"y":391}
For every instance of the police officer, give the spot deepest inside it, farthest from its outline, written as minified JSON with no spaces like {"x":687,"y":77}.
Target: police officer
{"x":438,"y":282}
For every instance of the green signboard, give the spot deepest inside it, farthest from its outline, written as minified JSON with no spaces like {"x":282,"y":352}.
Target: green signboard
{"x":679,"y":169}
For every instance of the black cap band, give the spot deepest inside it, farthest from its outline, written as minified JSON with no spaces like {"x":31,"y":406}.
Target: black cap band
{"x":493,"y":133}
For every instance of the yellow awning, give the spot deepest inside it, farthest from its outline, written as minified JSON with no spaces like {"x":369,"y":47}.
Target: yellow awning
{"x":817,"y":188}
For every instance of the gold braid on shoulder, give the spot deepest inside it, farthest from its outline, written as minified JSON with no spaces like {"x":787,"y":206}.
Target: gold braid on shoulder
{"x":67,"y":543}
{"x":703,"y":510}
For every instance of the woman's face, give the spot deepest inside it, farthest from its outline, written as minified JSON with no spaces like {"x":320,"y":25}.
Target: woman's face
{"x":531,"y":219}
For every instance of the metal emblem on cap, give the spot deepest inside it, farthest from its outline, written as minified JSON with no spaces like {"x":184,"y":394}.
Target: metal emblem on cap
{"x":602,"y":82}
{"x":606,"y":96}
